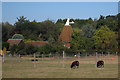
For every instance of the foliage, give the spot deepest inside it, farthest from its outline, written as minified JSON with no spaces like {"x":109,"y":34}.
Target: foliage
{"x":48,"y":29}
{"x":17,"y":48}
{"x":5,"y":44}
{"x":17,"y":36}
{"x":37,"y":30}
{"x":27,"y":41}
{"x":22,"y":52}
{"x":52,"y":48}
{"x":110,"y":21}
{"x":6,"y":30}
{"x":14,"y":49}
{"x":105,"y":39}
{"x":46,"y":49}
{"x":88,"y":30}
{"x":77,"y":30}
{"x":51,"y":40}
{"x":78,"y":42}
{"x":81,"y":44}
{"x":21,"y":19}
{"x":30,"y":49}
{"x":88,"y":34}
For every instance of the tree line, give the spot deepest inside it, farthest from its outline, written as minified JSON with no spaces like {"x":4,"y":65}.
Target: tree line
{"x":89,"y":35}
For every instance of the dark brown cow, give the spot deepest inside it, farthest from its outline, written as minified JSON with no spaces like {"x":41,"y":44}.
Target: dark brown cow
{"x":34,"y":60}
{"x":75,"y":64}
{"x":100,"y":64}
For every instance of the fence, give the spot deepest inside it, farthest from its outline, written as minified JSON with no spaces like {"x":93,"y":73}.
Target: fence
{"x":58,"y":58}
{"x":58,"y":66}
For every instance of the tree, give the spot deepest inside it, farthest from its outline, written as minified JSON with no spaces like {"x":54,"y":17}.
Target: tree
{"x":105,"y":39}
{"x":81,"y":43}
{"x":5,"y":44}
{"x":22,"y":52}
{"x":26,"y":28}
{"x":101,"y":17}
{"x":46,"y":49}
{"x":51,"y":40}
{"x":110,"y":21}
{"x":30,"y":49}
{"x":21,"y":19}
{"x":17,"y":36}
{"x":18,"y":49}
{"x":90,"y":21}
{"x":59,"y":21}
{"x":78,"y":42}
{"x":88,"y":30}
{"x":52,"y":48}
{"x":6,"y":30}
{"x":14,"y":49}
{"x":58,"y":46}
{"x":47,"y":29}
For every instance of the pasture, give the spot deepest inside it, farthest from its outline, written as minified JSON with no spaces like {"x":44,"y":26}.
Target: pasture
{"x":54,"y":68}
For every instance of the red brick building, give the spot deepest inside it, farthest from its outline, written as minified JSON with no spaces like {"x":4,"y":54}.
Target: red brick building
{"x":66,"y":35}
{"x":14,"y":41}
{"x":38,"y":43}
{"x":20,"y":41}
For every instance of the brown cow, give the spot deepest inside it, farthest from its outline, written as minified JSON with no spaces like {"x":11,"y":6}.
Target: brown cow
{"x":75,"y":64}
{"x":100,"y":64}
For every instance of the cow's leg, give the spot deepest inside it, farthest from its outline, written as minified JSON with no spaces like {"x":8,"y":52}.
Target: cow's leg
{"x":77,"y":66}
{"x":103,"y":65}
{"x":73,"y":67}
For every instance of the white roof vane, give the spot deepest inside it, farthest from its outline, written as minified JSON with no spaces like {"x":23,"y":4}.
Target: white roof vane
{"x":68,"y":22}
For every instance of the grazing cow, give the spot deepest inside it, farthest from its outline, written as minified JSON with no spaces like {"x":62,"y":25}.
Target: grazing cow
{"x":100,"y":64}
{"x":34,"y":60}
{"x":75,"y":64}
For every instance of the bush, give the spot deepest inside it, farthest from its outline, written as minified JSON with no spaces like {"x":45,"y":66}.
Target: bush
{"x":17,"y":36}
{"x":5,"y":44}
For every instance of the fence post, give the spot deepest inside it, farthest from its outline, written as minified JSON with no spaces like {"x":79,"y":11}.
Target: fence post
{"x":96,"y":60}
{"x":58,"y":57}
{"x":79,"y":57}
{"x":86,"y":55}
{"x":42,"y":57}
{"x":49,"y":55}
{"x":63,"y":59}
{"x":108,"y":54}
{"x":116,"y":53}
{"x":34,"y":61}
{"x":3,"y":58}
{"x":102,"y":55}
{"x":11,"y":60}
{"x":19,"y":58}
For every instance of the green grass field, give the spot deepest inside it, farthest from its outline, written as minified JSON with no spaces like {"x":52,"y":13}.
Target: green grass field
{"x":53,"y":68}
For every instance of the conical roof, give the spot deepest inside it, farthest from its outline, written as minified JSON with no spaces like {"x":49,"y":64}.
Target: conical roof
{"x":66,"y":34}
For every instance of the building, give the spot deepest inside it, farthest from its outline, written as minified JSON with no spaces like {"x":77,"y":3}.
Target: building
{"x":14,"y":41}
{"x":66,"y":34}
{"x":20,"y":41}
{"x":38,"y":43}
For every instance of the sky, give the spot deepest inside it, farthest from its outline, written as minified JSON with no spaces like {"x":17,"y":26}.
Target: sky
{"x":60,"y":0}
{"x":41,"y":11}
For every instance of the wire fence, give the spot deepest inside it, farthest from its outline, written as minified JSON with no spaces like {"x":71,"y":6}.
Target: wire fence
{"x":61,"y":59}
{"x":57,"y":64}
